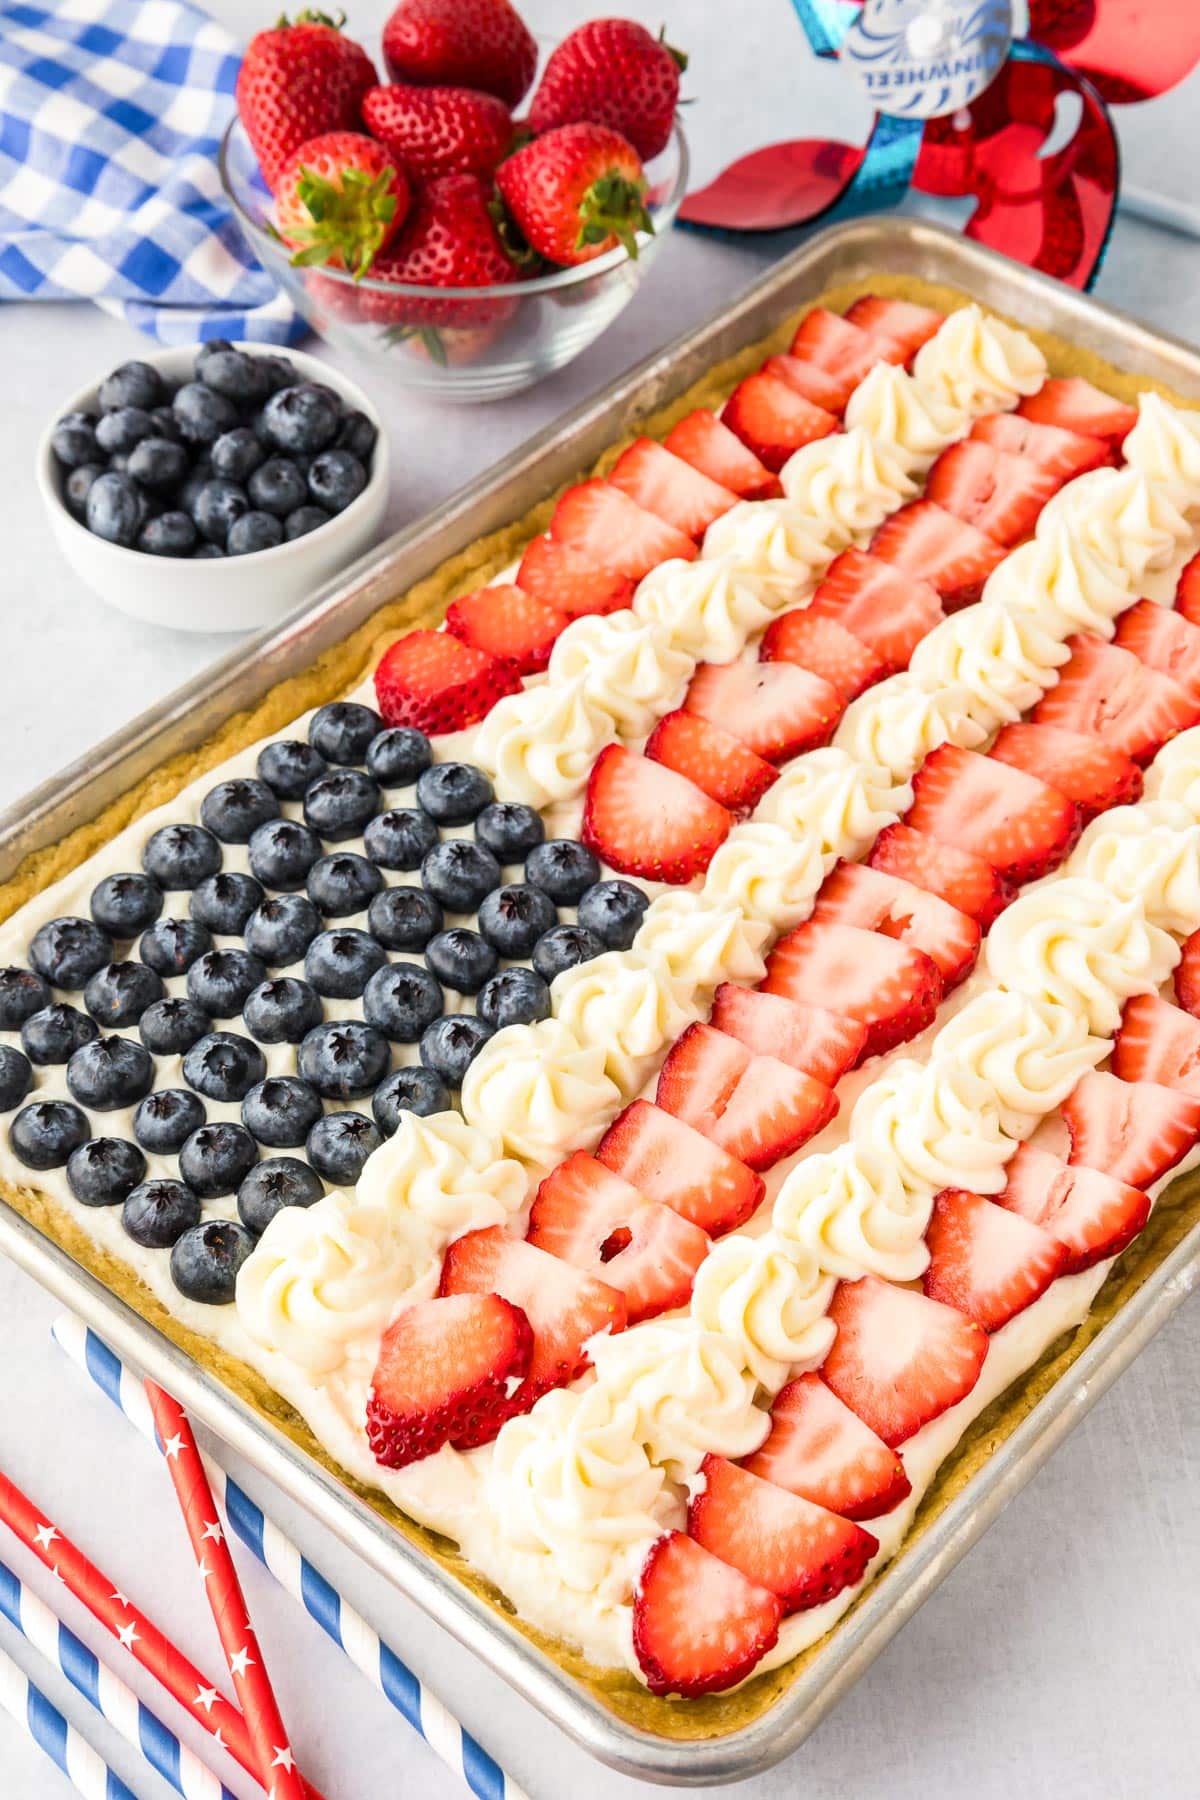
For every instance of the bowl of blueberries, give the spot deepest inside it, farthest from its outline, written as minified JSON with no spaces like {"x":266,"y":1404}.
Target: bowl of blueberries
{"x":273,"y":465}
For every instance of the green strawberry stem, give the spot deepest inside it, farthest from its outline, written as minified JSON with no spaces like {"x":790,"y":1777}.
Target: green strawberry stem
{"x":335,"y":21}
{"x":613,"y":207}
{"x":350,"y":218}
{"x":680,"y":56}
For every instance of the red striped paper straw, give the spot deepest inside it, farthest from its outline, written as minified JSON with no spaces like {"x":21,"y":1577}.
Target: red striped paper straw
{"x":133,"y":1630}
{"x":277,"y":1771}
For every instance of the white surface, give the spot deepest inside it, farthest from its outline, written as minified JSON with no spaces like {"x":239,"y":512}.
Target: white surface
{"x":1062,"y":1656}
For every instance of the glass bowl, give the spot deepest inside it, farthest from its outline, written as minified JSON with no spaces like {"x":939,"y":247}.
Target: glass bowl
{"x":458,"y":343}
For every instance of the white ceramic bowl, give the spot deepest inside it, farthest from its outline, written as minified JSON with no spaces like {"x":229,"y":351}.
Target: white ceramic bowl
{"x":229,"y":593}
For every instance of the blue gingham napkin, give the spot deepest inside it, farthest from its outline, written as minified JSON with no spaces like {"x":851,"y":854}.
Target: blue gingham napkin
{"x":111,"y":112}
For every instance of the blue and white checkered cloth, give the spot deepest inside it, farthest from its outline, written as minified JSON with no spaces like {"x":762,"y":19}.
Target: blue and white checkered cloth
{"x":111,"y":113}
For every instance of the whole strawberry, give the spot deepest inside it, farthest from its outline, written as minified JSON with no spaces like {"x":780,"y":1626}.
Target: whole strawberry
{"x":449,"y":240}
{"x":440,"y":130}
{"x":576,"y":192}
{"x":461,"y":43}
{"x":612,"y":72}
{"x":296,"y":82}
{"x":340,"y":200}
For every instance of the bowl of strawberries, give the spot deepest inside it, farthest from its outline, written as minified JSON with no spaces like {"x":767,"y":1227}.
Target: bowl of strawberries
{"x":476,"y":219}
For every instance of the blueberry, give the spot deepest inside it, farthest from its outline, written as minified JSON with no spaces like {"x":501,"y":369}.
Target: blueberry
{"x":55,"y":1033}
{"x":416,"y":1090}
{"x":513,"y":918}
{"x":206,"y":552}
{"x":402,"y":999}
{"x":343,"y":884}
{"x":454,"y":793}
{"x":335,"y":479}
{"x":340,"y":963}
{"x":22,"y":993}
{"x":210,"y":347}
{"x":461,"y":959}
{"x":133,"y":384}
{"x":215,"y":507}
{"x":281,"y":1111}
{"x":460,"y":873}
{"x":113,"y":511}
{"x":221,"y":980}
{"x":270,"y":1186}
{"x":236,"y":454}
{"x":232,"y":373}
{"x":104,"y":1171}
{"x":298,"y":524}
{"x":563,"y":868}
{"x":339,"y":804}
{"x":157,"y":1213}
{"x":396,"y":756}
{"x":73,"y":442}
{"x":202,"y":413}
{"x":400,"y":838}
{"x":253,"y":532}
{"x":450,"y":1045}
{"x":303,"y":418}
{"x":166,"y":425}
{"x":288,"y":767}
{"x":78,"y":486}
{"x":344,"y":1059}
{"x":123,"y":429}
{"x":282,"y":929}
{"x":357,"y":434}
{"x":43,"y":1135}
{"x":69,"y":951}
{"x":282,"y":1010}
{"x":277,"y":488}
{"x":216,"y":1159}
{"x":16,"y":1077}
{"x":404,"y":918}
{"x":223,"y":903}
{"x":170,"y":1027}
{"x":234,"y":810}
{"x":158,"y":464}
{"x":119,"y":993}
{"x":509,"y":830}
{"x":281,"y":854}
{"x":165,"y":1119}
{"x":170,"y":534}
{"x":514,"y":997}
{"x":224,"y":1066}
{"x":343,"y":731}
{"x":178,"y":856}
{"x":123,"y":905}
{"x":189,"y":493}
{"x":275,"y":372}
{"x":563,"y":947}
{"x":172,"y":946}
{"x":110,"y":1072}
{"x":339,"y":1144}
{"x":205,"y":1260}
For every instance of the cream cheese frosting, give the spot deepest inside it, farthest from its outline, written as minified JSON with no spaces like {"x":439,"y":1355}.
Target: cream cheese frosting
{"x":897,"y":723}
{"x":1150,"y":853}
{"x":539,"y":745}
{"x":1175,"y":772}
{"x":939,"y":1123}
{"x":1065,"y":584}
{"x":913,"y":422}
{"x":851,"y":480}
{"x":543,"y":1089}
{"x":701,"y":939}
{"x":1165,"y":446}
{"x":1129,"y":521}
{"x":709,"y":607}
{"x":834,"y":801}
{"x":853,"y":1214}
{"x":785,"y":548}
{"x":440,"y":1176}
{"x":1002,"y":660}
{"x":688,"y":1388}
{"x":630,"y":667}
{"x":625,"y":1007}
{"x":767,"y":873}
{"x":768,"y":1296}
{"x":1030,"y":1050}
{"x":978,"y":364}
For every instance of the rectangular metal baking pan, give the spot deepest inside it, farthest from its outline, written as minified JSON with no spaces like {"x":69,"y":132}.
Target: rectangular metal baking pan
{"x":845,"y":253}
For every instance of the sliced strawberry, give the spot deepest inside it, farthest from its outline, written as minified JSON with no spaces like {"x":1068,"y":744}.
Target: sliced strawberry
{"x":1134,"y":1130}
{"x":1075,"y":405}
{"x":953,"y":556}
{"x":840,"y":347}
{"x":877,"y":901}
{"x":1187,"y":976}
{"x":889,"y":610}
{"x":1092,"y":1215}
{"x":1107,"y":693}
{"x":900,"y":323}
{"x":642,"y":818}
{"x":667,"y":1161}
{"x":817,"y":1041}
{"x":1187,"y":593}
{"x":967,"y":881}
{"x":830,"y":392}
{"x":1016,"y":822}
{"x":1090,"y":773}
{"x":824,"y":647}
{"x":988,"y":1262}
{"x":702,"y":1069}
{"x":1063,"y":453}
{"x":758,"y":1108}
{"x":593,"y":1218}
{"x":606,"y":525}
{"x":899,"y":1358}
{"x":669,"y":487}
{"x":1158,"y":1042}
{"x":443,"y":1376}
{"x":508,"y":624}
{"x":891,"y":988}
{"x":821,"y":1450}
{"x":1001,"y":495}
{"x":1165,"y":641}
{"x":791,"y":1546}
{"x":719,"y":763}
{"x":564,"y":1306}
{"x":698,"y":1625}
{"x":773,"y":419}
{"x":775,"y":708}
{"x":571,"y":582}
{"x":703,"y":440}
{"x":430,"y":680}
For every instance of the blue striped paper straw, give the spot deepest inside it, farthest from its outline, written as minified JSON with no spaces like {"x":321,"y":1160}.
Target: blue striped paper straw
{"x":83,"y":1767}
{"x":104,"y":1690}
{"x":300,"y":1578}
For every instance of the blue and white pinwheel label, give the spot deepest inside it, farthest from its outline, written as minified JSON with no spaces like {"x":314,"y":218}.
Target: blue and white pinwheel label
{"x":921,"y":59}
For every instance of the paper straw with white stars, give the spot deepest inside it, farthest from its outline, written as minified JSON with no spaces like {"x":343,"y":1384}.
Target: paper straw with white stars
{"x":83,"y":1767}
{"x":384,"y":1669}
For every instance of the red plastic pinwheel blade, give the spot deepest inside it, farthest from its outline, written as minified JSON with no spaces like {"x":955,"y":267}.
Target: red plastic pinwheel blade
{"x":1129,"y":49}
{"x":780,"y":185}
